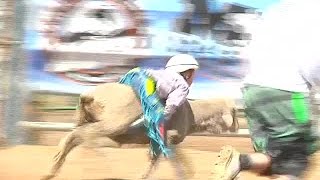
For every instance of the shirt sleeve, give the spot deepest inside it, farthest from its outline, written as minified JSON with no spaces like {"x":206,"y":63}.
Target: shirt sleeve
{"x":175,"y":99}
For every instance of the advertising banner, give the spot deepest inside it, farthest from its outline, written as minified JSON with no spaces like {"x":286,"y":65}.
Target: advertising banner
{"x":73,"y":45}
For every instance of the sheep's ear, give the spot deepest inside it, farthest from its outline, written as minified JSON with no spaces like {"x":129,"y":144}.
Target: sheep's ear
{"x":228,"y":119}
{"x":235,"y":124}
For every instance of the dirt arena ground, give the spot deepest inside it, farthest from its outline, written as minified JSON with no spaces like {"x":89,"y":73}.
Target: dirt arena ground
{"x":26,"y":162}
{"x":31,"y":162}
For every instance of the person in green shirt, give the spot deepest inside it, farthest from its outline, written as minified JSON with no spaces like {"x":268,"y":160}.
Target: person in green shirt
{"x":284,"y":66}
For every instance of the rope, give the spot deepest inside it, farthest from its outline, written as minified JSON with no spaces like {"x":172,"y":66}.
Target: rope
{"x":152,"y":107}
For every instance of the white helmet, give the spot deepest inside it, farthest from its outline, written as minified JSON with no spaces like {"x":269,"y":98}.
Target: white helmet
{"x":182,"y":62}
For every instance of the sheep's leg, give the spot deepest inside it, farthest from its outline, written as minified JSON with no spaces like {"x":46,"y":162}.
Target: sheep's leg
{"x":66,"y":145}
{"x":88,"y":133}
{"x":182,"y":165}
{"x":153,"y":164}
{"x":151,"y":167}
{"x":179,"y":161}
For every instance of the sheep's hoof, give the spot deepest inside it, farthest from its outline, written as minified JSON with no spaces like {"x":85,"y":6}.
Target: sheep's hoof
{"x":147,"y":172}
{"x":47,"y":177}
{"x":145,"y":176}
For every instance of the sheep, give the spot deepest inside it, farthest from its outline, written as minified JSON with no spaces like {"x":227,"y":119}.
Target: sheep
{"x":106,"y":117}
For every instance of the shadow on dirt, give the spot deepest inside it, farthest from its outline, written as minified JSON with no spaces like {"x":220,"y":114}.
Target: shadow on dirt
{"x":107,"y":179}
{"x":118,"y":179}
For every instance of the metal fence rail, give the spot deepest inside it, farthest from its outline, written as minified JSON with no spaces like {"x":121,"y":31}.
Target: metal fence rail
{"x":30,"y":127}
{"x":65,"y":127}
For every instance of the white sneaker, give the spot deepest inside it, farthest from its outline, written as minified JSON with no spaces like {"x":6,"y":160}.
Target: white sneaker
{"x":226,"y":165}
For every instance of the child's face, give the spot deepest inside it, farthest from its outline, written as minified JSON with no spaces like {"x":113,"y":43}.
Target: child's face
{"x":190,"y":77}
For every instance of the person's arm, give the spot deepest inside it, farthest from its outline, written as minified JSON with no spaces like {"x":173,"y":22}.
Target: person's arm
{"x":311,"y":72}
{"x":175,"y":100}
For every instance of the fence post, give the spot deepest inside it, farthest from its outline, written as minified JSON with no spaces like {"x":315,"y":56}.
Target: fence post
{"x":6,"y":41}
{"x":13,"y":105}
